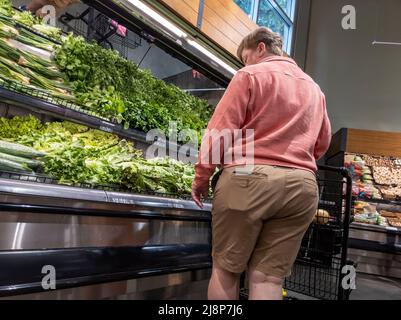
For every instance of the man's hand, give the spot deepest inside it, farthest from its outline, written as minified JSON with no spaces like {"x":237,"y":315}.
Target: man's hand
{"x":200,"y":189}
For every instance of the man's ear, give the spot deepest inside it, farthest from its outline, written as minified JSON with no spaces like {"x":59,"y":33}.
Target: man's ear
{"x":262,"y":49}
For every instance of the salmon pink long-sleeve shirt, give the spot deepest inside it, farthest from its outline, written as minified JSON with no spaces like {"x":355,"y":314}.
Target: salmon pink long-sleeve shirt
{"x":285,"y":108}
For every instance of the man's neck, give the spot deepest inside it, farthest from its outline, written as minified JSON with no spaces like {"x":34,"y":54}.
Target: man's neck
{"x":268,"y":55}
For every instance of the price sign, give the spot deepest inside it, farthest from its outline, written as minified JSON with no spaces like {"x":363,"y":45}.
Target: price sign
{"x":106,"y":129}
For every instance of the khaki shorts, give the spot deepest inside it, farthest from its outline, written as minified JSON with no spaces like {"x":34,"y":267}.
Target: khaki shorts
{"x":259,"y":219}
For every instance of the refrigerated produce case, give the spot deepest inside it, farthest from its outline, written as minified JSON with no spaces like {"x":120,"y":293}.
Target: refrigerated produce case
{"x":96,"y":237}
{"x":105,"y":241}
{"x":375,"y":242}
{"x":108,"y":242}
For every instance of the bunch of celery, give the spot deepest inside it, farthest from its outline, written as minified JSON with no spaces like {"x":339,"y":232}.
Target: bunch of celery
{"x":7,"y":31}
{"x":29,"y":38}
{"x":27,"y":68}
{"x":6,"y":8}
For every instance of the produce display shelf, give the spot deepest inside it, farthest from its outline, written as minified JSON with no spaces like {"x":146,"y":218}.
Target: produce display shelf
{"x":41,"y":178}
{"x":46,"y":103}
{"x":155,"y":32}
{"x":27,"y":196}
{"x":375,"y":228}
{"x":43,"y":102}
{"x":379,"y":201}
{"x":26,"y":27}
{"x":44,"y":179}
{"x":21,"y":25}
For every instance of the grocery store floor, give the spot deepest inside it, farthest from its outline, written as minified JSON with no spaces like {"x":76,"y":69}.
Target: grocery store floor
{"x":369,"y":287}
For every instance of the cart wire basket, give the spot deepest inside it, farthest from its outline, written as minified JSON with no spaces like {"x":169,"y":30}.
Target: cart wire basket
{"x":322,"y":263}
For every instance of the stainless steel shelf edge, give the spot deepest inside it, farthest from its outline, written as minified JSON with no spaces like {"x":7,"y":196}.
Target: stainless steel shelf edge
{"x":72,"y":193}
{"x":146,"y":200}
{"x":47,"y":190}
{"x":374,"y":228}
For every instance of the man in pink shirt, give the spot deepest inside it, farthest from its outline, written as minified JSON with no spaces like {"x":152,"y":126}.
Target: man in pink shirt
{"x":264,"y":202}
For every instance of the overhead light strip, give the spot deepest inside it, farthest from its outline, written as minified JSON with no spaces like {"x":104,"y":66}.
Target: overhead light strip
{"x":212,"y":56}
{"x":156,"y":16}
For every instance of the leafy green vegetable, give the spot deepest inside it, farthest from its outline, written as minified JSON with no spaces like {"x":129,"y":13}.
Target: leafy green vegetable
{"x":34,"y":40}
{"x":26,"y":18}
{"x":8,"y":31}
{"x":162,"y":175}
{"x":6,"y":8}
{"x":77,"y":154}
{"x":51,"y":32}
{"x":101,"y":80}
{"x":15,"y":128}
{"x":116,"y":87}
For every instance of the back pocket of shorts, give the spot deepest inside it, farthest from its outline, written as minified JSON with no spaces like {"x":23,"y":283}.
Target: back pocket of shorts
{"x":310,"y":186}
{"x":243,"y":189}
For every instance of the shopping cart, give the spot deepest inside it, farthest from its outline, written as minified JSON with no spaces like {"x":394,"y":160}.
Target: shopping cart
{"x":322,"y":265}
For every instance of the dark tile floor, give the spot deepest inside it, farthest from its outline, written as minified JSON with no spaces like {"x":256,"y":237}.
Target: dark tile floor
{"x":372,"y":287}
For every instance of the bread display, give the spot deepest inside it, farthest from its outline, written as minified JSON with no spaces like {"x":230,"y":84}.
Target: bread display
{"x":372,"y":161}
{"x":388,"y":214}
{"x":387,"y":176}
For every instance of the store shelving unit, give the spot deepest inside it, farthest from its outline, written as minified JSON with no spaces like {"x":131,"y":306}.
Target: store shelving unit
{"x":382,"y":201}
{"x":42,"y":102}
{"x":153,"y":31}
{"x":104,"y":235}
{"x":94,"y":25}
{"x":375,"y":248}
{"x":82,"y":228}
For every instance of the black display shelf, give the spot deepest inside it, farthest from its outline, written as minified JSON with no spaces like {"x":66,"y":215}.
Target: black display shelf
{"x":376,"y":246}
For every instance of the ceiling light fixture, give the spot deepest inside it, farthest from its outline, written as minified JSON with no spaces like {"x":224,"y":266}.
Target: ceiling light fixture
{"x":157,"y":17}
{"x":212,"y":56}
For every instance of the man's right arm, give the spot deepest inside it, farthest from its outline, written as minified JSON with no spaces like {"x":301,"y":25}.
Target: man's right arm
{"x":324,"y":139}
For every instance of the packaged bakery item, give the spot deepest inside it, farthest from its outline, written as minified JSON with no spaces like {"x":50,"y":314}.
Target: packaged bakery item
{"x":368,"y":218}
